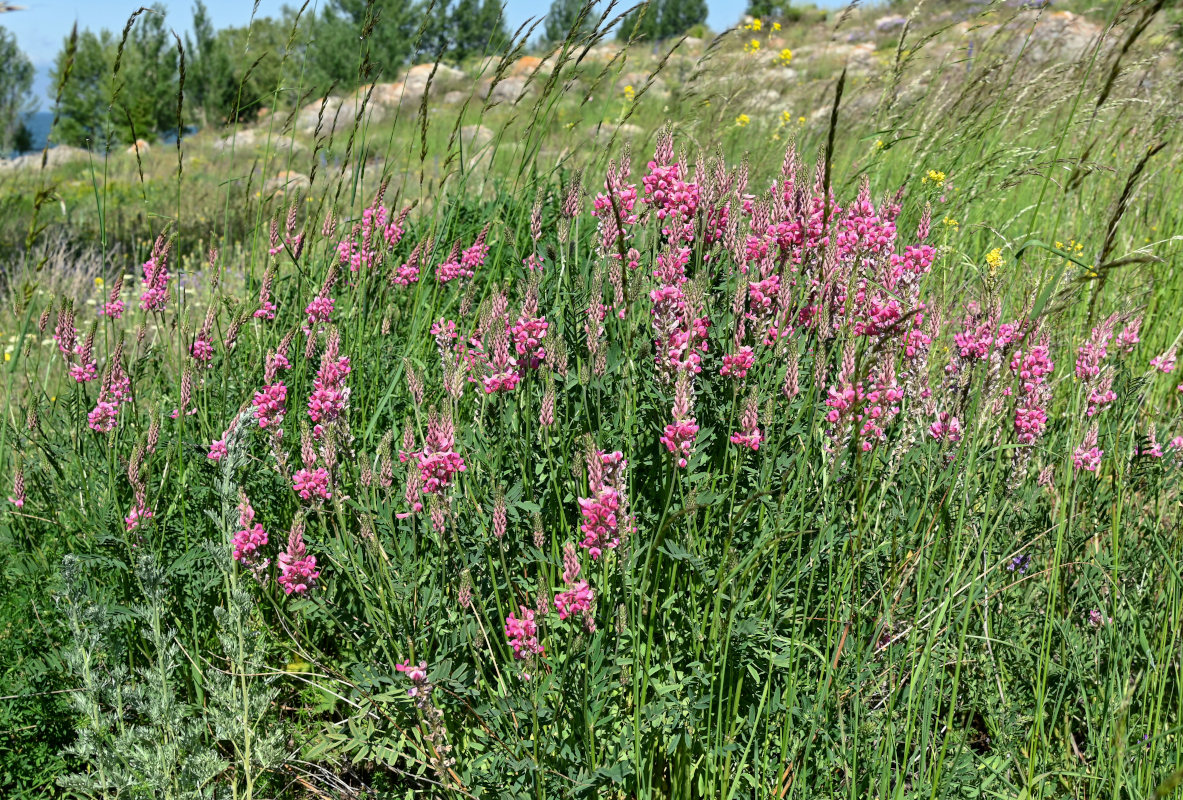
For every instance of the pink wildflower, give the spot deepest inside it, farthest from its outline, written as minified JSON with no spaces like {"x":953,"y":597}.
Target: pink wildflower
{"x":522,"y":634}
{"x":297,"y":569}
{"x":18,"y":487}
{"x":270,"y":405}
{"x":250,"y":536}
{"x":749,"y":435}
{"x":1166,"y":361}
{"x":1128,"y":338}
{"x":679,"y":435}
{"x":329,"y":395}
{"x":577,"y":599}
{"x":114,"y":306}
{"x":1088,"y":455}
{"x":528,"y":335}
{"x":311,"y":484}
{"x":437,"y":470}
{"x":137,"y":515}
{"x":600,"y":524}
{"x":1090,"y":354}
{"x":217,"y":450}
{"x":737,"y":365}
{"x":155,"y":295}
{"x":947,"y":428}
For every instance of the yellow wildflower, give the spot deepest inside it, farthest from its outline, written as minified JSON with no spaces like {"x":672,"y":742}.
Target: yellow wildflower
{"x":878,"y":144}
{"x":776,"y":26}
{"x":756,"y":25}
{"x":786,"y":57}
{"x":951,"y":223}
{"x":800,"y":120}
{"x":629,"y":93}
{"x":934,"y":176}
{"x":742,"y":120}
{"x":752,"y":47}
{"x":994,"y":259}
{"x":785,"y":118}
{"x":98,"y":282}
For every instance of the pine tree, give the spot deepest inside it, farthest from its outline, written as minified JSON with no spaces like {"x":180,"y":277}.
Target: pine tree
{"x":85,"y":97}
{"x":16,"y":100}
{"x":209,"y":65}
{"x":496,"y":36}
{"x":641,"y":24}
{"x":100,"y":107}
{"x":467,"y":37}
{"x":564,"y":15}
{"x":359,"y":41}
{"x":679,"y":16}
{"x":662,"y":19}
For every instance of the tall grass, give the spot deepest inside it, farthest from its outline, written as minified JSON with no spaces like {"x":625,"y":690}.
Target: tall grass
{"x":931,"y":616}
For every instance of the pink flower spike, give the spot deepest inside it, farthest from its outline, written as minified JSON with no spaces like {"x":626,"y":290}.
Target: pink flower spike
{"x":297,"y":569}
{"x":1165,"y":362}
{"x":217,"y":450}
{"x":522,"y":634}
{"x":312,"y":484}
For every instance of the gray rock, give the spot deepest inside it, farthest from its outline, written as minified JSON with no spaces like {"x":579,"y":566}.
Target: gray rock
{"x":252,"y":138}
{"x":765,"y":99}
{"x":508,"y":90}
{"x":475,"y":136}
{"x":339,"y":114}
{"x":57,"y":156}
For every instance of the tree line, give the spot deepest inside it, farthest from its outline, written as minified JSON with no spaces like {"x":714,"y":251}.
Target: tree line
{"x":228,"y":74}
{"x":112,"y":87}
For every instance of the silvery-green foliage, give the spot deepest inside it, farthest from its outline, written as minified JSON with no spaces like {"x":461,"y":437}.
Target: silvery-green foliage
{"x":137,"y":737}
{"x":241,"y":700}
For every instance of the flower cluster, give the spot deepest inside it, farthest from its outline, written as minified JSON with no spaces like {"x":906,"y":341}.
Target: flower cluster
{"x":371,"y":238}
{"x":297,"y":569}
{"x":522,"y":634}
{"x":329,"y":396}
{"x":312,"y":484}
{"x":249,"y":538}
{"x":462,"y":265}
{"x":678,"y":436}
{"x":1088,"y":456}
{"x":114,"y":392}
{"x":1032,"y":369}
{"x":270,"y":405}
{"x":155,"y":283}
{"x":577,"y":599}
{"x":602,"y":512}
{"x":749,"y":435}
{"x":438,"y":462}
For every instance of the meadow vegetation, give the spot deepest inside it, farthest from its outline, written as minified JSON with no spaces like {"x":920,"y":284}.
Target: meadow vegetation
{"x":788,"y":413}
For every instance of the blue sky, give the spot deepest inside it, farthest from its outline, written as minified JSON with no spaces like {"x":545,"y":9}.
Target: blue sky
{"x":41,"y":28}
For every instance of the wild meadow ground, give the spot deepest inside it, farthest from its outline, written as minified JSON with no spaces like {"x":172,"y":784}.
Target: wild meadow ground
{"x":625,"y":437}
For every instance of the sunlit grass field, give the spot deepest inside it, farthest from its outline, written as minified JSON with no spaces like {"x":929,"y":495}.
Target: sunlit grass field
{"x":787,"y":414}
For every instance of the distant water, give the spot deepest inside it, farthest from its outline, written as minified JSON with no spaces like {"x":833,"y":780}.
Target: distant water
{"x":40,"y":122}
